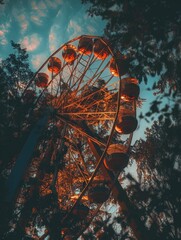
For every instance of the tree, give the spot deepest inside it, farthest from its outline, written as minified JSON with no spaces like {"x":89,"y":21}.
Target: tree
{"x":148,"y":33}
{"x":157,"y":193}
{"x":14,"y":75}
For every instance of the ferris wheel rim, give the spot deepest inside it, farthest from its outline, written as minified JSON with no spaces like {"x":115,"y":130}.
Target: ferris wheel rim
{"x":62,"y":46}
{"x":116,"y":112}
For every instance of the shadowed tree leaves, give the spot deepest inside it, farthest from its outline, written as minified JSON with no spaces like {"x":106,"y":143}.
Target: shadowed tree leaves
{"x":157,"y":194}
{"x":148,"y":33}
{"x":14,"y":74}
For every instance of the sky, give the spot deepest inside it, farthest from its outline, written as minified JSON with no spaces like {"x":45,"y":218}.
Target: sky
{"x":41,"y":26}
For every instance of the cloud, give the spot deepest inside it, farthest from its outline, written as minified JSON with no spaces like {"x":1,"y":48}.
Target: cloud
{"x":39,"y":6}
{"x":34,"y":5}
{"x":39,"y":12}
{"x":4,"y":29}
{"x":31,"y":42}
{"x":52,"y":40}
{"x":4,"y":41}
{"x":1,"y":33}
{"x":23,"y":22}
{"x":54,"y":37}
{"x":74,"y":29}
{"x":21,"y":16}
{"x":37,"y":60}
{"x":37,"y":20}
{"x":42,"y":5}
{"x":91,"y":29}
{"x":53,"y":4}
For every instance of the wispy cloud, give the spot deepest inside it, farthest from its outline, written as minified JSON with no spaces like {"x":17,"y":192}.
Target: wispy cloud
{"x":53,"y":4}
{"x":54,"y":37}
{"x":74,"y":29}
{"x":42,"y":5}
{"x":1,"y":33}
{"x":34,"y":5}
{"x":4,"y":29}
{"x":91,"y":29}
{"x":5,"y":26}
{"x":31,"y":42}
{"x":23,"y":22}
{"x":21,"y":16}
{"x":39,"y":12}
{"x":4,"y":41}
{"x":36,"y":20}
{"x":59,"y":1}
{"x":37,"y":60}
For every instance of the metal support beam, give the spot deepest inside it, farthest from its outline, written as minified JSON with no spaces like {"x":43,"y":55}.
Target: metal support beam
{"x":24,"y":158}
{"x":139,"y":230}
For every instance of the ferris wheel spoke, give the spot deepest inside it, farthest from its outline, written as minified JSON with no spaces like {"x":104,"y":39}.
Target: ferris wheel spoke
{"x":97,"y":75}
{"x":93,"y":78}
{"x":83,"y":162}
{"x":76,"y":69}
{"x":81,"y":130}
{"x":85,"y":70}
{"x":82,"y":99}
{"x":58,"y":158}
{"x":84,"y":62}
{"x":81,"y":171}
{"x":90,"y":116}
{"x":82,"y":74}
{"x":76,"y":149}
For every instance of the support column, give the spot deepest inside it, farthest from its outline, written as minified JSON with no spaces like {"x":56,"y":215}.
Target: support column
{"x":139,"y":230}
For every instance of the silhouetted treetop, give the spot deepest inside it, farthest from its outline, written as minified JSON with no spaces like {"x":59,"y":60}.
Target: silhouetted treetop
{"x":15,"y":72}
{"x":157,"y":192}
{"x":148,"y":32}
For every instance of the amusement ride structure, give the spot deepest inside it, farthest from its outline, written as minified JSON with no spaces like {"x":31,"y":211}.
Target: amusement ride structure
{"x":83,"y":106}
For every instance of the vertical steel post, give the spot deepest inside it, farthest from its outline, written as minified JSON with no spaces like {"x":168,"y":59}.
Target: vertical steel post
{"x":139,"y":230}
{"x":23,"y":159}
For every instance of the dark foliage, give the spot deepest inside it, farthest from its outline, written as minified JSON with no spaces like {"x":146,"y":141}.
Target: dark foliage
{"x":148,"y":33}
{"x":14,"y":75}
{"x":157,"y":194}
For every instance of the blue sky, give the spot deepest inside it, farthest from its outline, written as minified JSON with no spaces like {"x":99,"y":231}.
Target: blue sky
{"x":41,"y":26}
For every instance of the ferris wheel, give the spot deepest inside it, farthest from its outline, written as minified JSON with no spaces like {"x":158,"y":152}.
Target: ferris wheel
{"x":85,"y":105}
